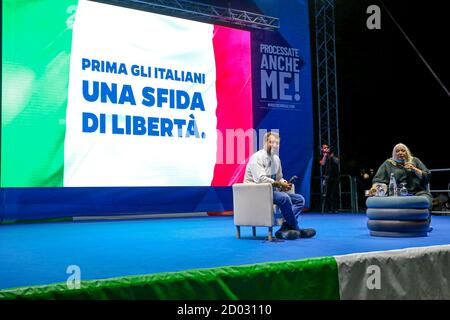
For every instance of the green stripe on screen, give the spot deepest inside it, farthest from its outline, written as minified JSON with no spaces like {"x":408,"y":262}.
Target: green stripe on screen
{"x":36,"y":44}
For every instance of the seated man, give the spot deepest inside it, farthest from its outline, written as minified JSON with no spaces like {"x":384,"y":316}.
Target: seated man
{"x":265,"y":166}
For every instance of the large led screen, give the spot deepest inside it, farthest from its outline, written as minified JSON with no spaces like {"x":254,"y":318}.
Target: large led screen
{"x":98,"y":95}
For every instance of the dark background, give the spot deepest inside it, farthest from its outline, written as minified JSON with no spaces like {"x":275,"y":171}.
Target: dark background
{"x":386,"y":93}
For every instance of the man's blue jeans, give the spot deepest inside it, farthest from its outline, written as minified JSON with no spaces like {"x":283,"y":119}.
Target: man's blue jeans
{"x":291,"y":205}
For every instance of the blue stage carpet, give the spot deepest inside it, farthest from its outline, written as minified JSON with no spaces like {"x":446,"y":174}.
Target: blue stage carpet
{"x":39,"y":253}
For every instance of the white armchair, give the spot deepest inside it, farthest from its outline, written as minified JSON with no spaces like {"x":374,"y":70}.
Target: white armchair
{"x":253,"y":206}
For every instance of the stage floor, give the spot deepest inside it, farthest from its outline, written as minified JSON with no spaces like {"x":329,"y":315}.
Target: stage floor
{"x":39,"y":253}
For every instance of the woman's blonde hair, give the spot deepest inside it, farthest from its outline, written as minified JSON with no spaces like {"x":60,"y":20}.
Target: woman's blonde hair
{"x":408,"y":157}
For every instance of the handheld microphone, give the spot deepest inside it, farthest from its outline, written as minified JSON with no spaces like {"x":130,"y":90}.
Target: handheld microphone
{"x":407,"y":169}
{"x":329,"y":150}
{"x":292,"y":180}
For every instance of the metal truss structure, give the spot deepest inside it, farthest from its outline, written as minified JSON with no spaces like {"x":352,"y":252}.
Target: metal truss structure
{"x":327,"y":98}
{"x":194,"y":10}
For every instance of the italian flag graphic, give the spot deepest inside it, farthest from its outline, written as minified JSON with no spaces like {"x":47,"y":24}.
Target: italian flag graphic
{"x":101,"y":95}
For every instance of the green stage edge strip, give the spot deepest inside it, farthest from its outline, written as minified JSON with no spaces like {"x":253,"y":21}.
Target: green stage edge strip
{"x":308,"y":279}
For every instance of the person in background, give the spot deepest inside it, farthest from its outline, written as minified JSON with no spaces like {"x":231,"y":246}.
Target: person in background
{"x":330,"y":179}
{"x":366,"y":177}
{"x":440,"y":203}
{"x":264,"y":166}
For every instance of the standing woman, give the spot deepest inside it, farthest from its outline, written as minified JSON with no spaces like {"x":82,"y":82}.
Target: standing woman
{"x":407,"y":169}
